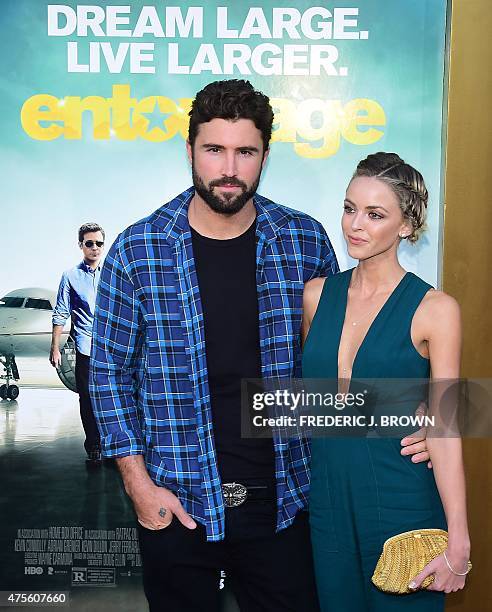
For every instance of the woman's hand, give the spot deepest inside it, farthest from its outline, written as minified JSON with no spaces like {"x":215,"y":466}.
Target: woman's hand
{"x":444,"y":579}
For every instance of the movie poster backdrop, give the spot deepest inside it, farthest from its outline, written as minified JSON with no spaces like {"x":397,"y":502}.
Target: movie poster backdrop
{"x":95,"y":101}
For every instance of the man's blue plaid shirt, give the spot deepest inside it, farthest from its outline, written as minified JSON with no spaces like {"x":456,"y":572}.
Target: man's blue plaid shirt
{"x":149,"y":382}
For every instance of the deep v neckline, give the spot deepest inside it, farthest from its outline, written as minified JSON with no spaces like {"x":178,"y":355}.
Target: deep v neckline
{"x":370,"y":329}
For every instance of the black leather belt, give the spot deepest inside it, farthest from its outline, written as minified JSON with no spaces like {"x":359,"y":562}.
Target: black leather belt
{"x":235,"y":493}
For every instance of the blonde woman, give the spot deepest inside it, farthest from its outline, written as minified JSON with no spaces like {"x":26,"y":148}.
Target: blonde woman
{"x":379,"y":321}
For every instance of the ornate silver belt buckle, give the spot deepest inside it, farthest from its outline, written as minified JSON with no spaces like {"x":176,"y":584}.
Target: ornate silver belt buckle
{"x":234,"y":493}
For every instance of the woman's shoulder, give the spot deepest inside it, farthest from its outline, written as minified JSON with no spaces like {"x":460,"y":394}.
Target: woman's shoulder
{"x":439,"y":307}
{"x":314,"y":287}
{"x":312,"y":293}
{"x":317,"y":287}
{"x":435,"y":298}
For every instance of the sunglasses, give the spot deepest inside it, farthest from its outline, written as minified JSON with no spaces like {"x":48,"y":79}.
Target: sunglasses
{"x":90,"y":243}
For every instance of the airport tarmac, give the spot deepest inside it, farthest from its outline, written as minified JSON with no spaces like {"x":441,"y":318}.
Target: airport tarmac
{"x":49,"y":493}
{"x":64,"y":527}
{"x":38,"y":373}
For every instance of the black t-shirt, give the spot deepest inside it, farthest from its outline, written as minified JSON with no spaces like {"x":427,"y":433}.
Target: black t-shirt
{"x":226,"y":272}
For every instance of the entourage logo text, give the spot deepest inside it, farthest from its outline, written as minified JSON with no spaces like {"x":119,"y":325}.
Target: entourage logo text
{"x":315,"y":127}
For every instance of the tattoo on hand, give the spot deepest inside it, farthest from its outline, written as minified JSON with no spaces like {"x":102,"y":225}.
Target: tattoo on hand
{"x":162,"y":512}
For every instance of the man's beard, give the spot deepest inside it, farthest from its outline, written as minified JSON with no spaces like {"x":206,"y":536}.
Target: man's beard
{"x":228,"y":204}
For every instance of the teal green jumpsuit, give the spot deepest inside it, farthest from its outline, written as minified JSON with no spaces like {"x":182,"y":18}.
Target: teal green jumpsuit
{"x":362,"y":490}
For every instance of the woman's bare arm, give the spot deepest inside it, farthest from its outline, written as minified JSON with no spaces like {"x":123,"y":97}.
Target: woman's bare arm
{"x":311,"y":296}
{"x":441,"y":322}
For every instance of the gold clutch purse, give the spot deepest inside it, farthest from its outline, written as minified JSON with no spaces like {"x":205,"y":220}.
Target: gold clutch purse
{"x":405,"y":555}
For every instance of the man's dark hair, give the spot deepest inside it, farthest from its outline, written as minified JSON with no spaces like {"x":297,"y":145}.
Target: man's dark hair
{"x":90,"y":227}
{"x":232,"y":99}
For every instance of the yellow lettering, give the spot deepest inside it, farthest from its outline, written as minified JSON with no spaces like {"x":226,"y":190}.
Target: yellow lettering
{"x":373,"y":114}
{"x":165,"y":106}
{"x":284,"y":123}
{"x":181,"y":118}
{"x":314,"y":126}
{"x":122,"y":105}
{"x":75,"y":107}
{"x":32,"y":113}
{"x":328,"y":132}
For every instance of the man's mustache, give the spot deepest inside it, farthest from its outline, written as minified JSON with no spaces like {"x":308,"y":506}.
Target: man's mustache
{"x":228,"y":180}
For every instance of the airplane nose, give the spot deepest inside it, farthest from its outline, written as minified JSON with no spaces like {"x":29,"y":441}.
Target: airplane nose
{"x":8,"y":322}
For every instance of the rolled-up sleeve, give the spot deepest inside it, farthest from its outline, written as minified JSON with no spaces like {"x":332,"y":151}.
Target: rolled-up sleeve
{"x":62,"y":309}
{"x":115,"y":359}
{"x":319,"y":255}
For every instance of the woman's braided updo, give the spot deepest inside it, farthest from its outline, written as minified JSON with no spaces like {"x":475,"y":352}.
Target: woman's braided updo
{"x":405,"y":182}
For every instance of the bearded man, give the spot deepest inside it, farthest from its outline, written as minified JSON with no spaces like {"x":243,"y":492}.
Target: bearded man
{"x":203,"y":293}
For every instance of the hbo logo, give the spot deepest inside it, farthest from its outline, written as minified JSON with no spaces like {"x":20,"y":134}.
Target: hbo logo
{"x":33,"y":570}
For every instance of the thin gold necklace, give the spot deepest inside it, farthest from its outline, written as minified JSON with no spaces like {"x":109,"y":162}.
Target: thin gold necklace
{"x":354,"y":323}
{"x":364,"y":316}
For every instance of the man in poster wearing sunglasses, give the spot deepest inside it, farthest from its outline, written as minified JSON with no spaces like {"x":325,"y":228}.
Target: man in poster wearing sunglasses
{"x":76,"y":299}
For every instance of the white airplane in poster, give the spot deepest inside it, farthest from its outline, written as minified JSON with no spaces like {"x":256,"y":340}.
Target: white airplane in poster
{"x":25,"y":331}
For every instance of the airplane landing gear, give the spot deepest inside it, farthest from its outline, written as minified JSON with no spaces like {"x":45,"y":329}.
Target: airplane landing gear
{"x":8,"y":391}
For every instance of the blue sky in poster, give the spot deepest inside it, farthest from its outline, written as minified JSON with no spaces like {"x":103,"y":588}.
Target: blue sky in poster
{"x":50,"y":187}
